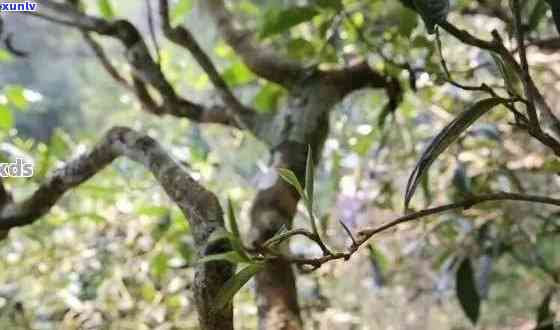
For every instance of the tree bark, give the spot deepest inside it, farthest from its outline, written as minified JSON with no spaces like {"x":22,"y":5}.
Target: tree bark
{"x":305,"y":121}
{"x":199,"y":205}
{"x":273,"y":207}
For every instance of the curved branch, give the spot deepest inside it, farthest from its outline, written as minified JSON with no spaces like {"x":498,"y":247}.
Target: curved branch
{"x":145,"y":70}
{"x":200,"y":206}
{"x":263,"y":61}
{"x":105,"y":61}
{"x":189,"y":195}
{"x":361,"y":75}
{"x":356,"y":77}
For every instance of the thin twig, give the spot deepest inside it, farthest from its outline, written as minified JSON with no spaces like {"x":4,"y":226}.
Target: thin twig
{"x":366,"y":234}
{"x":152,"y":29}
{"x":184,"y":37}
{"x":105,"y":61}
{"x":496,"y":46}
{"x":520,"y":36}
{"x":466,"y":204}
{"x":482,"y":88}
{"x":347,"y":230}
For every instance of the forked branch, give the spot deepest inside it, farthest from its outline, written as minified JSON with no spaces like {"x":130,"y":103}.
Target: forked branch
{"x":262,"y":60}
{"x":183,"y":37}
{"x":364,"y":235}
{"x":146,"y":73}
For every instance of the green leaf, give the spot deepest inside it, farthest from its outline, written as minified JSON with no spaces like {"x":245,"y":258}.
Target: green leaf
{"x":106,"y":9}
{"x":159,"y":265}
{"x":378,"y":256}
{"x":148,"y":291}
{"x":461,"y":181}
{"x":408,"y":22}
{"x":5,"y":56}
{"x":234,"y":284}
{"x":281,"y":235}
{"x":467,"y":292}
{"x":377,"y":268}
{"x":309,"y":176}
{"x":199,"y":148}
{"x":237,"y":246}
{"x":6,"y":118}
{"x":218,"y":235}
{"x":422,"y":42}
{"x":238,"y":74}
{"x":277,"y":21}
{"x":162,"y":226}
{"x":545,"y":316}
{"x":364,"y":143}
{"x":383,"y":115}
{"x":426,"y":189}
{"x":511,"y":79}
{"x":432,"y":12}
{"x":59,"y":144}
{"x":179,"y":11}
{"x":555,"y":5}
{"x":96,"y":218}
{"x":152,"y":210}
{"x":232,"y":219}
{"x":185,"y":249}
{"x":537,"y":14}
{"x":300,"y":49}
{"x":444,"y":139}
{"x":235,"y":237}
{"x":15,"y":95}
{"x":230,"y":256}
{"x":289,"y":176}
{"x":267,"y":98}
{"x":309,"y":182}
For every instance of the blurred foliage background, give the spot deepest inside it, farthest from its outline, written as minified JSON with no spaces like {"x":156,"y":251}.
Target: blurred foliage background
{"x":116,"y":254}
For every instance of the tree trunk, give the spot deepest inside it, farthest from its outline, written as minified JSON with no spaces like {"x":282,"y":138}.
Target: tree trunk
{"x":275,"y":286}
{"x":304,"y":122}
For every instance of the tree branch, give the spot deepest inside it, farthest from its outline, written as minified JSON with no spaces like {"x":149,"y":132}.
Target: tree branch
{"x":365,"y":235}
{"x":183,"y":37}
{"x":145,"y":69}
{"x":550,"y":44}
{"x":189,"y":195}
{"x":151,"y":27}
{"x":520,"y":37}
{"x":263,"y":61}
{"x":200,"y":206}
{"x":356,"y":77}
{"x":105,"y":61}
{"x":496,"y":46}
{"x":465,"y":204}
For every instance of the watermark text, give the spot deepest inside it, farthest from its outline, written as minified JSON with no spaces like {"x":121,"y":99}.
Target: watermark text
{"x":19,"y":169}
{"x":18,"y":6}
